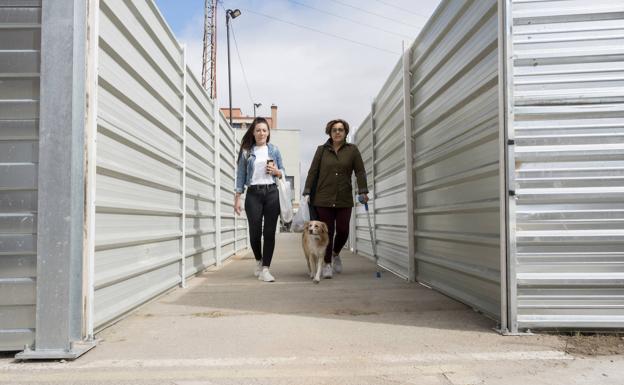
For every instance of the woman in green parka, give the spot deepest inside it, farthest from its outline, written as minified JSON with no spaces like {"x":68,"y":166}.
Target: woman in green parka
{"x":330,"y":178}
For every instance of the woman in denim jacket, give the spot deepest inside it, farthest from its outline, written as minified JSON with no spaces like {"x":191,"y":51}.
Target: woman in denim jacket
{"x":259,"y":163}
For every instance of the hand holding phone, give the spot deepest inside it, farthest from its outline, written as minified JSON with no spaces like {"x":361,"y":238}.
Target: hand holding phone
{"x":270,"y":166}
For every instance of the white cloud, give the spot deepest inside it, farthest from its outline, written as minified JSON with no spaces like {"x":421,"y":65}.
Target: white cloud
{"x":311,"y":77}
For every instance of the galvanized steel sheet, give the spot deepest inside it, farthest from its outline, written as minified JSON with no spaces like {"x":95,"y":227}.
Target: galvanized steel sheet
{"x":20,"y":41}
{"x":455,"y":140}
{"x":453,"y":69}
{"x":389,"y":175}
{"x":568,"y":177}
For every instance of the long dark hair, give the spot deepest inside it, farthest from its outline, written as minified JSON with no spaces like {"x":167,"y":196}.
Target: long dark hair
{"x":248,"y":139}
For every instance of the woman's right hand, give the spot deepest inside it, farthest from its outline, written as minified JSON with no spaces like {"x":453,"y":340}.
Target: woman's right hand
{"x":237,"y":205}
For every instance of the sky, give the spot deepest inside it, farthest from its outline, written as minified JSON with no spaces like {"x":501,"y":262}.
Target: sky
{"x":316,"y":60}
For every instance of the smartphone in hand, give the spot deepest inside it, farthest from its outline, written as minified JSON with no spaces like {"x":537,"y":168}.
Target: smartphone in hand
{"x":269,"y":163}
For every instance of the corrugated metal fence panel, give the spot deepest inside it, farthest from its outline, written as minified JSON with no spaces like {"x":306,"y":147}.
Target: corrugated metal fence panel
{"x":568,"y":89}
{"x":138,"y":232}
{"x":200,"y":178}
{"x":242,"y":229}
{"x":455,"y":139}
{"x":228,"y":174}
{"x":241,"y":232}
{"x":363,"y":139}
{"x":20,"y":41}
{"x":389,"y":173}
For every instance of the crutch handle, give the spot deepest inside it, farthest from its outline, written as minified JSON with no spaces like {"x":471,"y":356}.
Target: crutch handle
{"x":361,"y":200}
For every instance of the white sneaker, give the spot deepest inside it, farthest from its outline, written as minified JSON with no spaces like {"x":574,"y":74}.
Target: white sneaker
{"x":265,"y":275}
{"x":337,"y":264}
{"x":258,"y":268}
{"x":327,"y":271}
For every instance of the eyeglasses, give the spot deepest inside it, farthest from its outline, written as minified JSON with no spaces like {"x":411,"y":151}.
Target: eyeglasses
{"x":337,"y":130}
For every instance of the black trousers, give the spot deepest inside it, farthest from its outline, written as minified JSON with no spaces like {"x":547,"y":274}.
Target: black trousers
{"x":262,"y":202}
{"x":337,"y":220}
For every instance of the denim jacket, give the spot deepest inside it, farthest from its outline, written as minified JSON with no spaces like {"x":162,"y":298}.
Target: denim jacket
{"x":245,"y":167}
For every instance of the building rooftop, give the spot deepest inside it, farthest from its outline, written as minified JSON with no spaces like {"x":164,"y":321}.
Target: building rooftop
{"x":241,"y":121}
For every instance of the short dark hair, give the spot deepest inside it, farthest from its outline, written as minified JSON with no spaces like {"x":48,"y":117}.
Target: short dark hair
{"x":331,"y":123}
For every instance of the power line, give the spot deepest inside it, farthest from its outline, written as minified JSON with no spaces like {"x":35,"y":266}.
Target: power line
{"x":242,"y":67}
{"x":402,"y":9}
{"x":374,"y":14}
{"x":323,"y":32}
{"x":351,"y":20}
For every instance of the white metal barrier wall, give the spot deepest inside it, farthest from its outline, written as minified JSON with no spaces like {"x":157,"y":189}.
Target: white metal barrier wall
{"x":567,"y":120}
{"x":140,"y":148}
{"x":227,"y":152}
{"x":201,"y":212}
{"x":20,"y":43}
{"x":165,"y":164}
{"x":517,"y":146}
{"x":451,"y":75}
{"x":134,"y":128}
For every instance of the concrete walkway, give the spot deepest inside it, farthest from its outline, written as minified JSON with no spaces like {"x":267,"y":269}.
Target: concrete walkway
{"x":229,"y":328}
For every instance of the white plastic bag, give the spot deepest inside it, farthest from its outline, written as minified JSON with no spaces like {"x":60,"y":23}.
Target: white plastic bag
{"x":286,"y":210}
{"x":302,"y":216}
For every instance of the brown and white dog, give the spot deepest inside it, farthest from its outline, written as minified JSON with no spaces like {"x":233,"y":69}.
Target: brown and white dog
{"x":315,"y":240}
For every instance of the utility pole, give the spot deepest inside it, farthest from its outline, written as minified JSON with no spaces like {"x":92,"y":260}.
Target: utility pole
{"x":209,"y":62}
{"x":230,"y":14}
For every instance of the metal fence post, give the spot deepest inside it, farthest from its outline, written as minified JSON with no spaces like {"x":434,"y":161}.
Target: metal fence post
{"x":409,"y":170}
{"x":217,"y":147}
{"x":353,"y":223}
{"x":61,"y":185}
{"x":509,"y":323}
{"x":353,"y":244}
{"x":91,"y":164}
{"x":235,"y":218}
{"x":373,"y":195}
{"x":183,"y":216}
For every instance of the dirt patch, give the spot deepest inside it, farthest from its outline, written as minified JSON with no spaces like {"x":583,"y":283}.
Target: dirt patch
{"x":242,"y":257}
{"x":117,"y":340}
{"x":594,"y":344}
{"x":209,"y":314}
{"x":352,"y":312}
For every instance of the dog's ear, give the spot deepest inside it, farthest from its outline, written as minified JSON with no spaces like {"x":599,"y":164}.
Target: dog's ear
{"x":324,"y":227}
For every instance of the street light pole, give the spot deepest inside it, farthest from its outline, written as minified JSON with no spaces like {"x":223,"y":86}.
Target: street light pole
{"x":233,"y":15}
{"x":256,"y":105}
